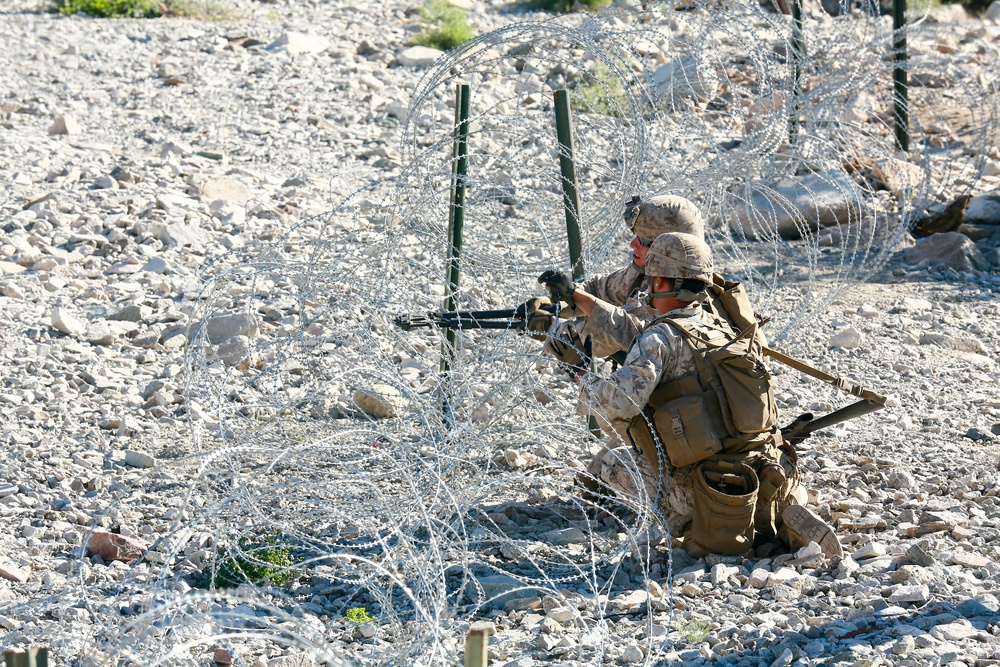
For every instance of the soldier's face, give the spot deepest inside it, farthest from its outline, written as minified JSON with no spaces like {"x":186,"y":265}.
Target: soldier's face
{"x":639,"y":252}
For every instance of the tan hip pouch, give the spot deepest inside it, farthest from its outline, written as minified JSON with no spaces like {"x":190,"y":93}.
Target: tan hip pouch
{"x":725,"y":498}
{"x":684,"y":428}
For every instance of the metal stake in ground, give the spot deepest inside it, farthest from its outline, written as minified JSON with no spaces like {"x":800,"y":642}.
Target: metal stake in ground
{"x":33,"y":657}
{"x":798,"y":54}
{"x":901,"y":112}
{"x":571,"y":199}
{"x":456,"y":222}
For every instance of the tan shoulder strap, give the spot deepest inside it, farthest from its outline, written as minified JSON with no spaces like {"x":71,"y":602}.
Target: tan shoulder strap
{"x":839,"y":383}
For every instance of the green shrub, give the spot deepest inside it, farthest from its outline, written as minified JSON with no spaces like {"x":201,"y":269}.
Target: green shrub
{"x":359,"y":615}
{"x":599,"y":92}
{"x":564,"y":6}
{"x":264,"y":562}
{"x":112,"y":8}
{"x":146,"y":9}
{"x":445,"y":26}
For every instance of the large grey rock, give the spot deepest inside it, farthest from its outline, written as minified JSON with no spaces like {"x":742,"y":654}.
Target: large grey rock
{"x":691,"y":76}
{"x":418,"y":56}
{"x":949,"y":249}
{"x":299,"y":42}
{"x":993,"y":11}
{"x":984,"y":209}
{"x":183,"y":235}
{"x":223,"y":327}
{"x":497,"y":590}
{"x":795,"y":204}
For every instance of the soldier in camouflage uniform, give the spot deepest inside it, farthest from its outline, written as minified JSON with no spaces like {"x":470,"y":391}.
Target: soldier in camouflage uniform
{"x":623,"y":311}
{"x":678,"y":270}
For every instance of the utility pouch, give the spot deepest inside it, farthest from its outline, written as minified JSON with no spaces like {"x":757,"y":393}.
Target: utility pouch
{"x":725,"y":497}
{"x":684,"y":426}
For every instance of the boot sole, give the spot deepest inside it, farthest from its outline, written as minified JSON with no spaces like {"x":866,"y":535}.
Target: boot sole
{"x":810,"y":528}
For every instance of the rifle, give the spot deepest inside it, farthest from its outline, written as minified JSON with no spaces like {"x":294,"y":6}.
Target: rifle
{"x":806,"y":424}
{"x":505,"y":318}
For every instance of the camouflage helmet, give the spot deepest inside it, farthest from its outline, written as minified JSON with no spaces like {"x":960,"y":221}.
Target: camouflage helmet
{"x":679,"y":255}
{"x":648,"y":218}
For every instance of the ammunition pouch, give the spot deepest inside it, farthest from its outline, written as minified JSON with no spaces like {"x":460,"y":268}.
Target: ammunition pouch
{"x":725,"y":501}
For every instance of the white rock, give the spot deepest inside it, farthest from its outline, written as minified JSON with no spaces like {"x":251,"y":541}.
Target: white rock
{"x":63,"y":321}
{"x":918,"y":594}
{"x":869,"y":550}
{"x":984,"y":209}
{"x":139,"y":459}
{"x":514,"y":458}
{"x":632,"y":655}
{"x":225,"y":188}
{"x":418,"y":56}
{"x":847,"y":337}
{"x":296,"y":43}
{"x":64,"y":125}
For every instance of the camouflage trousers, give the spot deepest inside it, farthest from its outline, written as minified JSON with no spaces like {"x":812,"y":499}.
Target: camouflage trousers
{"x":630,"y":474}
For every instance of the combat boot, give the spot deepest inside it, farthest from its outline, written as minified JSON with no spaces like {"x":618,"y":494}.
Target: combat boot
{"x":800,"y":526}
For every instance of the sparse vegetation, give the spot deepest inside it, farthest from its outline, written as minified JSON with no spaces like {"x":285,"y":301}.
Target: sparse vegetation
{"x":146,"y":9}
{"x":599,"y":92}
{"x":563,"y":6}
{"x":695,"y":631}
{"x":264,"y":562}
{"x":445,"y":26}
{"x":112,"y":8}
{"x":359,"y":615}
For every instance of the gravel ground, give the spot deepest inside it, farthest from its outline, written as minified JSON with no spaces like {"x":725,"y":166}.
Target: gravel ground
{"x":186,"y":145}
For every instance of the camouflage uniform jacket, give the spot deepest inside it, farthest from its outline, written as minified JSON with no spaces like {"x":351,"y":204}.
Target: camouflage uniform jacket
{"x":621,"y":312}
{"x":659,"y":355}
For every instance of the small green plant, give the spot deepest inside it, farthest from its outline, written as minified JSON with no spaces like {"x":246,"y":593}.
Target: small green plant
{"x":563,"y":6}
{"x":445,"y":26}
{"x":265,"y":562}
{"x":695,"y":631}
{"x":359,"y":615}
{"x":600,"y":92}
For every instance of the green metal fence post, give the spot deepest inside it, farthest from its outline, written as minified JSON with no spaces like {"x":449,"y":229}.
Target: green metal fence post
{"x":798,"y":55}
{"x":901,"y":112}
{"x":571,"y":199}
{"x":456,"y":223}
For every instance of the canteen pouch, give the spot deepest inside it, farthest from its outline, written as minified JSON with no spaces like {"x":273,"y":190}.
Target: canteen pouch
{"x":685,"y":429}
{"x":725,"y":497}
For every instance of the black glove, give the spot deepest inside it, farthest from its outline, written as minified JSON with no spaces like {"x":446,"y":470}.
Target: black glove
{"x":560,"y":286}
{"x":537,"y":315}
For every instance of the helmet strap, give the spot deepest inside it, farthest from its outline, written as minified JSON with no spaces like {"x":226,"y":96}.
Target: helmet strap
{"x":685,"y":295}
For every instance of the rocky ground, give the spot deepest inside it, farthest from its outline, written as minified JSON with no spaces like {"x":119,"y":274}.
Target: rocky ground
{"x":135,"y":154}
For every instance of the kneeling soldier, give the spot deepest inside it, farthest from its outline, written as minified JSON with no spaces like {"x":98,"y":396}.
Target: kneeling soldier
{"x":695,"y":401}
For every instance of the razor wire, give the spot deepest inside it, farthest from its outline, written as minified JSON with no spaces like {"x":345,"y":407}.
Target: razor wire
{"x":320,"y":428}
